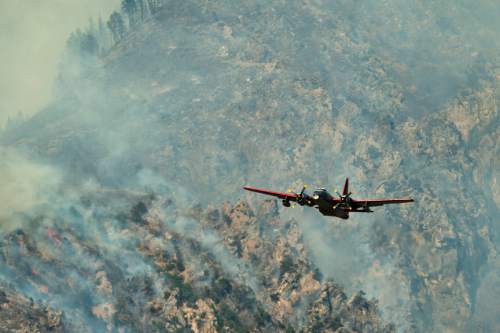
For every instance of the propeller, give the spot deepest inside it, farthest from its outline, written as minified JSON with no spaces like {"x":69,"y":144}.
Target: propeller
{"x":344,"y":200}
{"x":301,"y":196}
{"x":303,"y":189}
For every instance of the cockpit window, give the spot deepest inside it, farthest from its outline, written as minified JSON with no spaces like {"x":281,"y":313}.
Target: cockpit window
{"x":322,"y":193}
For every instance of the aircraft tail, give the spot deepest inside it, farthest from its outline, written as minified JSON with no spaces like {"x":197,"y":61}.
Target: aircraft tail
{"x":345,"y":191}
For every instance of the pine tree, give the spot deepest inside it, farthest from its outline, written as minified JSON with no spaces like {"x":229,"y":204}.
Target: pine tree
{"x":89,"y":44}
{"x":102,"y":36}
{"x":73,"y":42}
{"x":83,"y":43}
{"x":154,"y":6}
{"x":129,"y":7}
{"x":116,"y":26}
{"x":141,"y":4}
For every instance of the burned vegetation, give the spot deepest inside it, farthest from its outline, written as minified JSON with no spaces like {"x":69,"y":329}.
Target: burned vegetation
{"x":159,"y":268}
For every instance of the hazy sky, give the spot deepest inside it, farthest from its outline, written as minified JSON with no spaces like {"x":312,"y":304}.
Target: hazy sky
{"x":33,"y":34}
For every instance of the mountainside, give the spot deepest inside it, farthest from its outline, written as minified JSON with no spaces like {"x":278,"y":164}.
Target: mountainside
{"x":155,"y":267}
{"x":143,"y":145}
{"x":19,"y":314}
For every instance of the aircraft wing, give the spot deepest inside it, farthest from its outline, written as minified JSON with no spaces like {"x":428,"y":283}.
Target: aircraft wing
{"x":381,"y":202}
{"x":281,"y":195}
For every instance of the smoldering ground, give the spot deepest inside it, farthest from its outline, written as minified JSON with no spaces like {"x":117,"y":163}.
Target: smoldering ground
{"x":27,"y":186}
{"x":154,"y":117}
{"x":343,"y":251}
{"x":56,"y":241}
{"x":83,"y":248}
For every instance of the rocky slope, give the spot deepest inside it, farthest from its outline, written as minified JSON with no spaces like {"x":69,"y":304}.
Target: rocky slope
{"x":207,"y":96}
{"x":155,"y":268}
{"x":19,"y":314}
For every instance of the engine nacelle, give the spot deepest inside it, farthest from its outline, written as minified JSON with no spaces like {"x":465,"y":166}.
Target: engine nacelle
{"x":286,"y":203}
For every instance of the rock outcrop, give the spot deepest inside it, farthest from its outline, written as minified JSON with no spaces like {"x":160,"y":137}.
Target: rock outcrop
{"x":206,"y":96}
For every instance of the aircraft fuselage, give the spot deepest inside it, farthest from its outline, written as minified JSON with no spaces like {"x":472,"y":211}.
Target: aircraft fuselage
{"x":329,"y":205}
{"x":325,"y":207}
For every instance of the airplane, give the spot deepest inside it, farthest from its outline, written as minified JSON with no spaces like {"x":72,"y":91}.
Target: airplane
{"x":329,"y":205}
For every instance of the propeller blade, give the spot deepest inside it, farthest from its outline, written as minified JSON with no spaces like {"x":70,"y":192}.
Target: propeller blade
{"x":303,"y":189}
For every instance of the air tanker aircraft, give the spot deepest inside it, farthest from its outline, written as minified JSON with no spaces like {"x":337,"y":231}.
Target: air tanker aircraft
{"x":329,"y":205}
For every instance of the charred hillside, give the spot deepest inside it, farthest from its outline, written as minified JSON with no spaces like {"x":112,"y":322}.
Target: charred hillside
{"x":198,"y":98}
{"x":157,"y":268}
{"x":21,"y":314}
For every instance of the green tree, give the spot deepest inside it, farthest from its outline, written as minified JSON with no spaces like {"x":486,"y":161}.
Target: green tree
{"x":103,"y":36}
{"x":116,"y":26}
{"x":130,"y":8}
{"x":142,"y":7}
{"x":83,"y":43}
{"x":89,"y":44}
{"x":154,"y":6}
{"x":73,"y":42}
